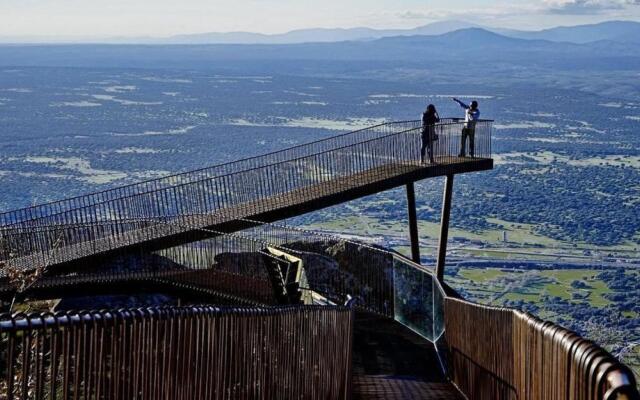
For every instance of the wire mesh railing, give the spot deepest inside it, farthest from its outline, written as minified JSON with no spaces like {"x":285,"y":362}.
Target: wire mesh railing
{"x":92,"y":227}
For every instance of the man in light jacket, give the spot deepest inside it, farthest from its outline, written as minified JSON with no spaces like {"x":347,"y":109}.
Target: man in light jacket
{"x":472,"y":115}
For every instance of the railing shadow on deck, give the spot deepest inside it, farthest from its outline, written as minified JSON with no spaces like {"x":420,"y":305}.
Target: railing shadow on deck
{"x":479,"y":382}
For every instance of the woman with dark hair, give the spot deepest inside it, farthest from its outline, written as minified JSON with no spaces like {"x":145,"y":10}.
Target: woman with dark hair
{"x":429,"y":119}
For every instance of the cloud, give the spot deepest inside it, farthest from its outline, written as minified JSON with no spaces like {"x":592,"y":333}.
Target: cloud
{"x":582,"y":7}
{"x":532,"y":10}
{"x":433,"y":14}
{"x":413,"y":15}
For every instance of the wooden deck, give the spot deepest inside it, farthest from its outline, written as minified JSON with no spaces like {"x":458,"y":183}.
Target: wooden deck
{"x":392,"y":362}
{"x":186,"y":228}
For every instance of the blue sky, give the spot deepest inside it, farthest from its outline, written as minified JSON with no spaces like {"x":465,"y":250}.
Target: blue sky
{"x":96,"y":18}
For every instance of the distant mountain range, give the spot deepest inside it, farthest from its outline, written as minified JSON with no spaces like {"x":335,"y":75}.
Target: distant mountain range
{"x":316,"y":35}
{"x":474,"y":48}
{"x":616,"y":31}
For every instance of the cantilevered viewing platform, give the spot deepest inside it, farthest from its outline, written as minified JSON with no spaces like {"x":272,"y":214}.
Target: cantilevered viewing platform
{"x":267,"y":188}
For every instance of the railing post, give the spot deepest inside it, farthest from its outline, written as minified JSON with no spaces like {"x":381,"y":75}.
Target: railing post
{"x":413,"y":223}
{"x":444,"y":227}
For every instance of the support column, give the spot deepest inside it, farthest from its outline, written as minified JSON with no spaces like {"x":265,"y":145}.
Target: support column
{"x":413,"y":223}
{"x":444,"y":227}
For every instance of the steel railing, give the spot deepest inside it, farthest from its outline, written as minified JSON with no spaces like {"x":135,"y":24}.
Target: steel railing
{"x":185,"y":353}
{"x":92,"y":226}
{"x":501,"y":353}
{"x":153,"y":185}
{"x":215,"y":261}
{"x":488,"y":352}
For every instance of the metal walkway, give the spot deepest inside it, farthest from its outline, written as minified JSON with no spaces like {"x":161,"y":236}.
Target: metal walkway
{"x":275,"y":186}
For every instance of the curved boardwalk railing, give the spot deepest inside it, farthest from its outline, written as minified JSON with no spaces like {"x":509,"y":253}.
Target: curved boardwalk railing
{"x":94,"y":225}
{"x":178,"y":353}
{"x":499,"y":353}
{"x":488,"y":352}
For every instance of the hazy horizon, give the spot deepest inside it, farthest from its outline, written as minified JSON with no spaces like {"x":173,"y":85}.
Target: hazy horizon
{"x":73,"y":20}
{"x":149,"y":39}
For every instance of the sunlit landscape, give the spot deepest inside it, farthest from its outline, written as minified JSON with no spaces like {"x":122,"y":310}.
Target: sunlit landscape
{"x":552,"y":229}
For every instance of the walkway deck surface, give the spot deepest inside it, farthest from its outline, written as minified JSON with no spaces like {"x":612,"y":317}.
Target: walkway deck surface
{"x":392,"y":362}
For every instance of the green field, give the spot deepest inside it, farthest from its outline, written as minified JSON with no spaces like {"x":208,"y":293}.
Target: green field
{"x":522,"y":241}
{"x":494,"y":285}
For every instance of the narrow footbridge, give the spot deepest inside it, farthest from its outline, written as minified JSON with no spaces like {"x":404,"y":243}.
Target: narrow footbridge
{"x":167,"y":211}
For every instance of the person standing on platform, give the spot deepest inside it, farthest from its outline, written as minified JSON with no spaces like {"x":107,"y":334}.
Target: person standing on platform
{"x":429,"y":119}
{"x":472,"y":115}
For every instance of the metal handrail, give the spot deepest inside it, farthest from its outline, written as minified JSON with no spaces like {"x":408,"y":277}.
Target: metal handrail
{"x":416,"y":123}
{"x":604,"y":378}
{"x":239,"y":194}
{"x":18,"y":322}
{"x":175,"y":352}
{"x":180,"y":174}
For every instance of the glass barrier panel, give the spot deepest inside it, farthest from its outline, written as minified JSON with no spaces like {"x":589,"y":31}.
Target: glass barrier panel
{"x":438,"y":310}
{"x":413,"y":298}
